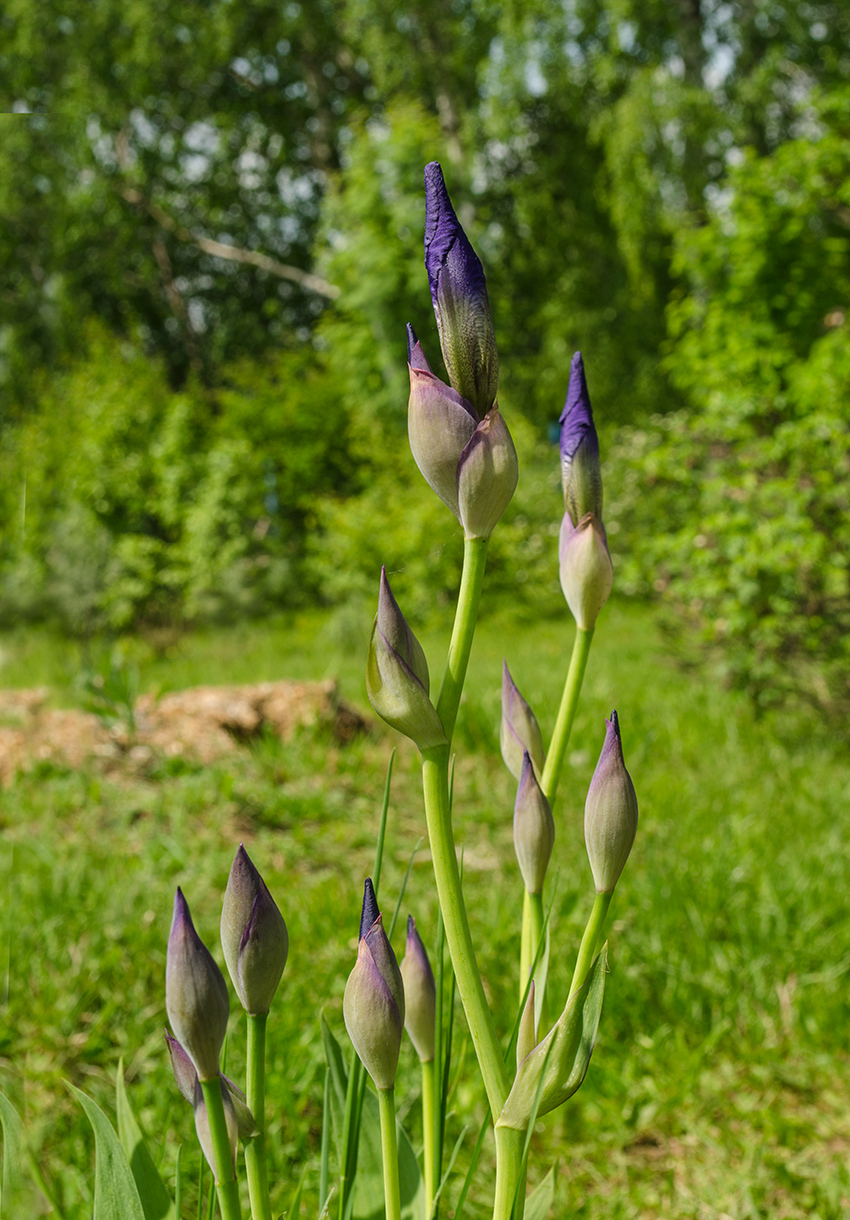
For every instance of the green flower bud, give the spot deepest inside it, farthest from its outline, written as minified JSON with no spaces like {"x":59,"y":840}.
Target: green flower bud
{"x":610,"y":812}
{"x":397,"y":681}
{"x":519,"y":731}
{"x":373,"y":1004}
{"x":253,"y":936}
{"x":487,"y":474}
{"x":195,"y":993}
{"x":420,"y":994}
{"x":534,"y":829}
{"x":587,"y":573}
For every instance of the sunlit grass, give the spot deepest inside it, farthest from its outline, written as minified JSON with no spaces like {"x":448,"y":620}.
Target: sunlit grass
{"x":719,"y":1084}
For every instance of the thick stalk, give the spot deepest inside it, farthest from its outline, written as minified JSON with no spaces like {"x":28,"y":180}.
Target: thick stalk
{"x":566,"y":714}
{"x":509,"y":1146}
{"x":225,"y":1178}
{"x":256,"y":1169}
{"x":435,"y":762}
{"x":429,"y":1118}
{"x":587,"y":949}
{"x":389,"y":1153}
{"x":466,"y":614}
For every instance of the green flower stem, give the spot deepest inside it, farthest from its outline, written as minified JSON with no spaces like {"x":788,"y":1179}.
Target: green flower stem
{"x":509,"y":1148}
{"x":429,"y":1110}
{"x":469,"y":596}
{"x":435,"y":765}
{"x":532,"y":934}
{"x":225,"y":1178}
{"x":589,"y":941}
{"x":256,"y":1169}
{"x":389,"y":1152}
{"x":566,"y":714}
{"x":525,"y":955}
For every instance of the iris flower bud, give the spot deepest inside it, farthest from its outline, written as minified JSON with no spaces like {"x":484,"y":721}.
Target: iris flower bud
{"x":587,"y":573}
{"x":195,"y":993}
{"x":459,"y":295}
{"x":373,"y":1004}
{"x":580,"y":474}
{"x":397,"y":680}
{"x":534,"y":829}
{"x":253,"y":936}
{"x":420,"y":994}
{"x":519,"y":731}
{"x":610,"y":812}
{"x":187,"y":1083}
{"x":469,"y":462}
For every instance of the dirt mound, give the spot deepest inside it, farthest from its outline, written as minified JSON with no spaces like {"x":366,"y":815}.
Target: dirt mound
{"x":203,"y":722}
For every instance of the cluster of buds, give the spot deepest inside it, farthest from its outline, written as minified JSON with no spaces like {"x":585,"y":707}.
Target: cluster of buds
{"x":585,"y":561}
{"x":255,"y":944}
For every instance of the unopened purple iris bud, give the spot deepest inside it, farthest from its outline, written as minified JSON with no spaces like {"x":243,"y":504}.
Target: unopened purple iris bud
{"x":459,"y":295}
{"x":470,"y":463}
{"x":519,"y":731}
{"x":397,"y":680}
{"x":420,"y":994}
{"x":587,"y":573}
{"x":610,"y":812}
{"x":526,"y":1038}
{"x":373,"y":1004}
{"x":195,"y":993}
{"x":534,"y":829}
{"x":253,"y":936}
{"x":580,"y":473}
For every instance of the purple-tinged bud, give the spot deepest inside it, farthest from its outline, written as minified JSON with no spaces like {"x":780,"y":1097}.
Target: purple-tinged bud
{"x":487,"y":473}
{"x":416,"y":357}
{"x":587,"y":573}
{"x":187,"y":1083}
{"x":610,"y":812}
{"x":420,"y":994}
{"x":526,"y":1038}
{"x":534,"y":829}
{"x":580,"y":473}
{"x":373,"y":1004}
{"x":195,"y":993}
{"x":519,"y":731}
{"x":397,"y":680}
{"x":459,"y":295}
{"x":253,"y":936}
{"x":440,"y":424}
{"x":202,"y":1126}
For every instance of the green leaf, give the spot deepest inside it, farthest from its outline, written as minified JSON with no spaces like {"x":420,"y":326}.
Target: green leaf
{"x":156,"y":1201}
{"x":339,"y":1086}
{"x":539,"y":1202}
{"x":369,"y":1184}
{"x":557,"y":1066}
{"x":115,"y":1194}
{"x":14,"y":1157}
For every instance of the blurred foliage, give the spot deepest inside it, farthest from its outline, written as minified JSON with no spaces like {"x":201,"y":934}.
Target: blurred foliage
{"x":742,"y":506}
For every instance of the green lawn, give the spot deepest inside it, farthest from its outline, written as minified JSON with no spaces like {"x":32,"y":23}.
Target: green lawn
{"x":719,"y":1085}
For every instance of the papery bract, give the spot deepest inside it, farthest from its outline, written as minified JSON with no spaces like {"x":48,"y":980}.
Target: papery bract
{"x":397,"y":680}
{"x":586,"y":571}
{"x":459,"y":296}
{"x":420,"y":994}
{"x":519,"y":731}
{"x":610,"y":812}
{"x":534,"y":829}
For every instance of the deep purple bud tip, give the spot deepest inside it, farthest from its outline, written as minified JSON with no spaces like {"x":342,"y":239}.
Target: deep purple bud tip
{"x":615,"y":724}
{"x":370,"y":908}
